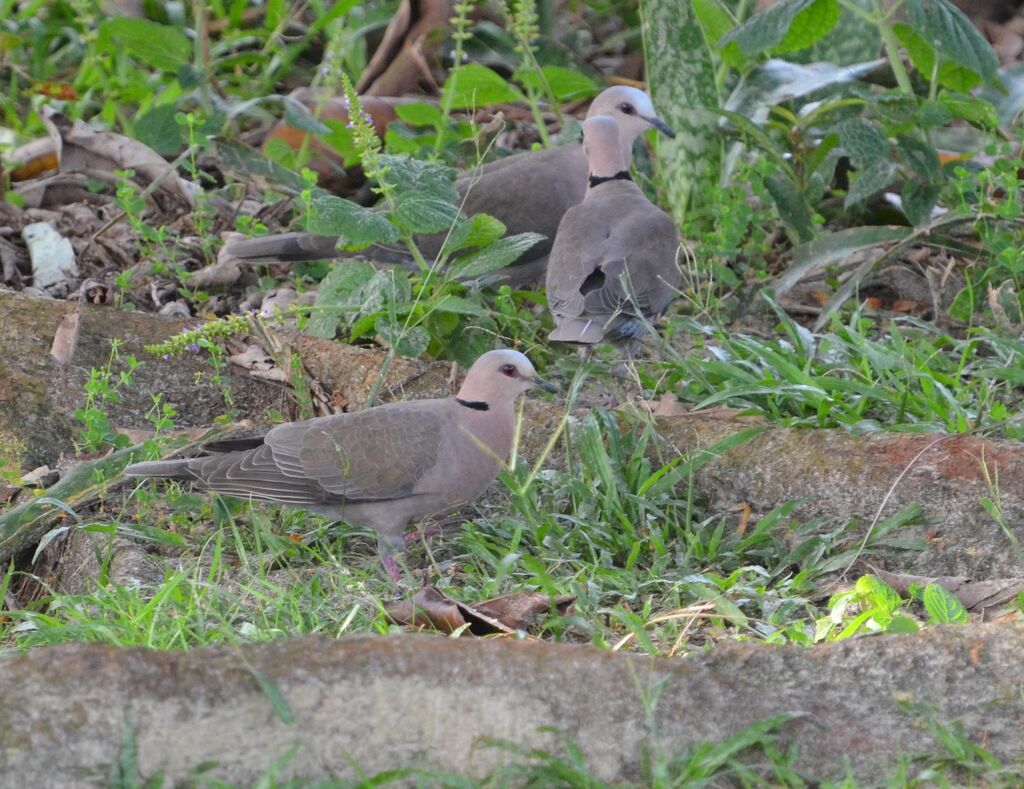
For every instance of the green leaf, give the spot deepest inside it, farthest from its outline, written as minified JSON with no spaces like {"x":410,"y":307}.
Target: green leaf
{"x":158,"y":129}
{"x":830,"y":249}
{"x":793,"y":209}
{"x":474,"y":85}
{"x":160,"y":46}
{"x":768,"y":28}
{"x":459,"y":306}
{"x":931,"y":114}
{"x":918,"y":200}
{"x":870,"y":181}
{"x":477,"y":231}
{"x":565,"y":83}
{"x":494,"y":256}
{"x":716,"y":21}
{"x":943,"y":606}
{"x":339,"y":294}
{"x":424,"y":194}
{"x":922,"y":55}
{"x":420,"y":114}
{"x":411,"y":341}
{"x":900,"y":623}
{"x":878,"y":593}
{"x":921,"y":158}
{"x":976,"y":111}
{"x":810,"y":25}
{"x":863,"y":142}
{"x":358,"y":226}
{"x":950,"y":33}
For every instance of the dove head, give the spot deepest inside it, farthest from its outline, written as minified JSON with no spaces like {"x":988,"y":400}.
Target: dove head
{"x":632,"y":110}
{"x":499,"y":377}
{"x":601,"y":143}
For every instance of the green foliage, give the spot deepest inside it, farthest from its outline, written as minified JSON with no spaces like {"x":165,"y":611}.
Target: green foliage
{"x":914,"y":377}
{"x":102,"y":390}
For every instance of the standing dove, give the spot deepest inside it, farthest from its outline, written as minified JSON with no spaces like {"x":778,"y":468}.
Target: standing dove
{"x":528,"y":192}
{"x":613,"y":265}
{"x":381,"y":468}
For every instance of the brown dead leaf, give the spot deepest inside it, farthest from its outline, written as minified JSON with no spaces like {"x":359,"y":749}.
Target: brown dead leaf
{"x":82,"y":149}
{"x":65,"y":339}
{"x":431,"y":608}
{"x":401,"y":64}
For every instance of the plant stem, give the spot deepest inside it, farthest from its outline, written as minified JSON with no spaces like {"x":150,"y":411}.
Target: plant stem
{"x":892,"y":48}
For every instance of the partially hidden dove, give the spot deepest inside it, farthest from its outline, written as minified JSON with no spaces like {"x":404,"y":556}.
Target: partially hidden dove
{"x":528,"y":192}
{"x":613,"y":267}
{"x":381,"y":468}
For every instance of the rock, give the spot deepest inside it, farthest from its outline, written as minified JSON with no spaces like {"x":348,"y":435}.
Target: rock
{"x":53,"y":258}
{"x":374,"y":703}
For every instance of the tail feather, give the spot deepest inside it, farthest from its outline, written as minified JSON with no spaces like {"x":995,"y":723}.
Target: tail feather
{"x":174,"y":469}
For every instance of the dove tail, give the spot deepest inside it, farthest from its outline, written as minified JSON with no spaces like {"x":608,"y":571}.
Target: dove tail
{"x":177,"y":469}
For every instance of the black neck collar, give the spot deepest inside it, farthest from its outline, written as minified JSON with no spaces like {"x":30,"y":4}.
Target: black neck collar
{"x":621,"y":175}
{"x":476,"y":405}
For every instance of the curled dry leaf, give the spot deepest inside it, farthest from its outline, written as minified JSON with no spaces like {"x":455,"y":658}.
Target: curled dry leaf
{"x":65,"y":339}
{"x":82,"y":149}
{"x":431,"y":608}
{"x":412,"y":39}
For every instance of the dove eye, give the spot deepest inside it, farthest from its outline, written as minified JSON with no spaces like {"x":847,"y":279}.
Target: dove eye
{"x":627,"y":109}
{"x":508,"y":369}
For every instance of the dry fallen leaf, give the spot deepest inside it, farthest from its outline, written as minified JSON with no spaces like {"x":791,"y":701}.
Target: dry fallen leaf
{"x":431,"y":608}
{"x":976,"y":596}
{"x":65,"y":339}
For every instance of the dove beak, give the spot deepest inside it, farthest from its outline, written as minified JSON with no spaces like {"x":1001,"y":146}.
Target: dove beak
{"x":542,"y":384}
{"x":660,"y":125}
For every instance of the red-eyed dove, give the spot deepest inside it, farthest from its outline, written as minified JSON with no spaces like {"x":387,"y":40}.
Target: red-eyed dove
{"x":381,"y":468}
{"x":528,"y":192}
{"x":613,"y":266}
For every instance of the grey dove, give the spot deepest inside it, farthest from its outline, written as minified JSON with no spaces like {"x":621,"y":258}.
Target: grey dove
{"x":528,"y":192}
{"x":613,"y":265}
{"x":381,"y":468}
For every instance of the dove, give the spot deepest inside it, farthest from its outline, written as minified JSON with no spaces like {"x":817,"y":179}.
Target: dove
{"x":380,"y":468}
{"x":528,"y":192}
{"x":613,"y":267}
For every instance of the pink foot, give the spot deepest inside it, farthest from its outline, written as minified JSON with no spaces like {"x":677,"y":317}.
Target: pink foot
{"x":391,"y":568}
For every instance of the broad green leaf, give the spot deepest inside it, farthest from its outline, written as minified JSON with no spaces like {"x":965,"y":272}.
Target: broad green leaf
{"x":716,"y":21}
{"x":922,"y":55}
{"x":411,"y":341}
{"x":931,"y":114}
{"x":863,"y":142}
{"x":338,"y":296}
{"x":682,"y":82}
{"x":827,"y":250}
{"x":160,"y":46}
{"x":477,"y":231}
{"x":501,"y":253}
{"x":299,"y":117}
{"x":976,"y":111}
{"x":420,"y":114}
{"x":474,"y":85}
{"x":918,"y":200}
{"x":767,"y":28}
{"x":901,"y":623}
{"x":459,"y":306}
{"x":424,"y":194}
{"x":920,"y":157}
{"x":810,"y":25}
{"x":565,"y":83}
{"x":950,"y":33}
{"x":422,"y":212}
{"x":793,"y":209}
{"x":358,"y":226}
{"x":869,"y":181}
{"x":878,"y":593}
{"x":943,"y":606}
{"x":158,"y":129}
